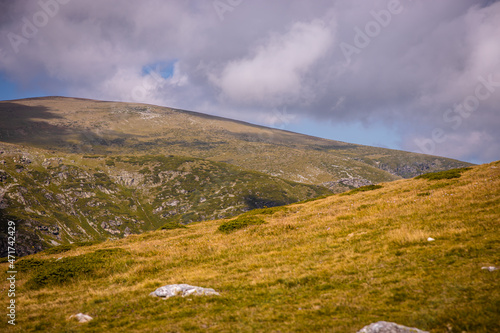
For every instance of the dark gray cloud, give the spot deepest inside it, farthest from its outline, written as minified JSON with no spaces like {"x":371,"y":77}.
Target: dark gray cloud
{"x":407,"y":64}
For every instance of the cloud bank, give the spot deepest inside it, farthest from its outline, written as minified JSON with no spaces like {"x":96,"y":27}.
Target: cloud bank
{"x":429,"y":71}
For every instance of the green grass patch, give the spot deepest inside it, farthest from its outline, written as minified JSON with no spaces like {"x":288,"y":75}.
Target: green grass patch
{"x":441,"y":185}
{"x":49,"y":272}
{"x":240,"y":223}
{"x":67,"y":247}
{"x":94,"y":156}
{"x":266,"y":211}
{"x":172,"y":225}
{"x":110,"y":162}
{"x":316,"y":198}
{"x":59,"y":249}
{"x":362,"y":189}
{"x":448,"y":174}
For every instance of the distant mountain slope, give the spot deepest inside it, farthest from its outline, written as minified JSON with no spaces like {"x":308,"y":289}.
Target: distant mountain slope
{"x":419,"y":252}
{"x":74,"y":198}
{"x":83,"y":126}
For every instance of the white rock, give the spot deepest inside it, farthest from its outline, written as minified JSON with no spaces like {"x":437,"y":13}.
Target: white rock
{"x":430,"y":239}
{"x":182,"y":290}
{"x":490,"y":268}
{"x":387,"y":327}
{"x":82,"y":318}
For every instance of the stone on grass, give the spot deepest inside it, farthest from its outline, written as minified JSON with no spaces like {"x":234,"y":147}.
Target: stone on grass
{"x":82,"y":318}
{"x":490,"y":268}
{"x":182,"y":290}
{"x":387,"y":327}
{"x":430,"y":239}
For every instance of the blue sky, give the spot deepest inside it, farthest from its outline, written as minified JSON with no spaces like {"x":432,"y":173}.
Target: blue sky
{"x":413,"y":75}
{"x":10,"y":90}
{"x":374,"y":135}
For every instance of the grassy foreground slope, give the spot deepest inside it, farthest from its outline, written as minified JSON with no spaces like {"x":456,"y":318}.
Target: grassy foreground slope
{"x":330,"y":265}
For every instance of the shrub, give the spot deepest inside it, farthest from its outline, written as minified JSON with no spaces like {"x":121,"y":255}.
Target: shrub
{"x":30,"y":264}
{"x":448,"y":174}
{"x":266,"y":211}
{"x":59,"y":249}
{"x":172,"y":225}
{"x":87,"y":243}
{"x":46,"y":272}
{"x":316,"y":198}
{"x":363,"y":189}
{"x":239,"y":223}
{"x":94,"y":156}
{"x":110,"y":162}
{"x":67,"y":247}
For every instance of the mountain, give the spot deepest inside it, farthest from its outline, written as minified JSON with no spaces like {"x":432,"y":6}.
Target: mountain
{"x":75,"y":170}
{"x":80,"y":126}
{"x":421,"y":252}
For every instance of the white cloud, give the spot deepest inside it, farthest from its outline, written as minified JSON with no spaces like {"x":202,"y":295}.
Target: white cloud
{"x":472,"y":145}
{"x":272,"y":55}
{"x":274,"y":73}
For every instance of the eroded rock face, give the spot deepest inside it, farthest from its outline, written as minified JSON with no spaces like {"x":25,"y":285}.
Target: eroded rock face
{"x":346,"y":183}
{"x":387,"y":327}
{"x":182,"y":290}
{"x":355,"y":182}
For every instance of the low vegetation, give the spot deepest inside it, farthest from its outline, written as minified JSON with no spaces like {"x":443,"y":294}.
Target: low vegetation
{"x":57,"y":272}
{"x":447,"y":174}
{"x":363,"y":189}
{"x":239,"y":223}
{"x":330,"y":265}
{"x":172,"y":225}
{"x":67,"y":247}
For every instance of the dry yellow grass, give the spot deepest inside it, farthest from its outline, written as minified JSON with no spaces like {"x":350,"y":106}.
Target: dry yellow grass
{"x":331,"y":265}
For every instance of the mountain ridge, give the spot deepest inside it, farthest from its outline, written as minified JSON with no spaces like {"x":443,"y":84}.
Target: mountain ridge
{"x":212,"y":137}
{"x":75,"y":170}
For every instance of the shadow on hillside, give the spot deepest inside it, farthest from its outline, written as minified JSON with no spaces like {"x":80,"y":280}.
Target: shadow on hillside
{"x":21,"y":123}
{"x":26,"y":242}
{"x":254,"y":202}
{"x":38,"y":126}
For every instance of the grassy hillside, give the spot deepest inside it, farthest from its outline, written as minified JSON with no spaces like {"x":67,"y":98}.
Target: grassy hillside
{"x":79,"y":126}
{"x":329,"y":265}
{"x":58,"y":199}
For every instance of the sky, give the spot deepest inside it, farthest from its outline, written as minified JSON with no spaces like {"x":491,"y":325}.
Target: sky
{"x":415,"y":75}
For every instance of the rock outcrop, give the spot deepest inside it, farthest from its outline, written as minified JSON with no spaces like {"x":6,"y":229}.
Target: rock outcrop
{"x":82,"y":318}
{"x":387,"y":327}
{"x":183,"y":290}
{"x":345,"y":184}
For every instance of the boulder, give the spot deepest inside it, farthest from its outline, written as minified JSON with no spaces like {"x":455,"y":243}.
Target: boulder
{"x":490,"y":268}
{"x":387,"y":327}
{"x":82,"y":318}
{"x":182,"y":290}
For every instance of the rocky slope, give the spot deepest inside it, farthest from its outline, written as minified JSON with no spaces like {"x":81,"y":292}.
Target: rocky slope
{"x":74,"y":198}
